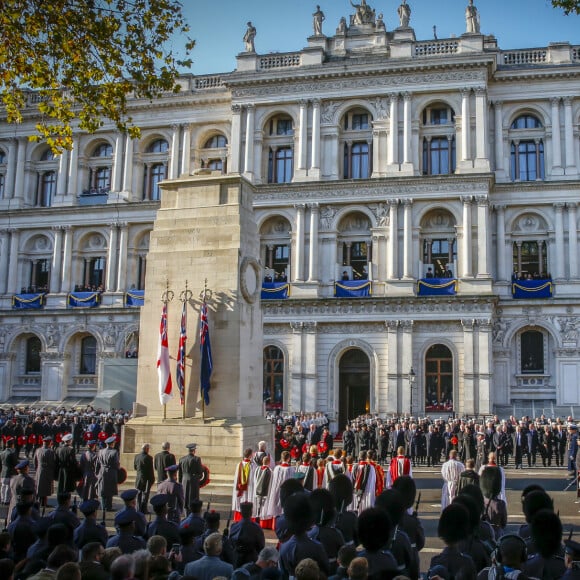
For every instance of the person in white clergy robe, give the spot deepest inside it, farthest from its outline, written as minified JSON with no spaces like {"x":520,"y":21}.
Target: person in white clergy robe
{"x":281,"y":473}
{"x":450,"y":471}
{"x":262,"y":486}
{"x":364,"y":478}
{"x":491,"y":462}
{"x":309,"y":472}
{"x":243,"y":490}
{"x":333,"y":468}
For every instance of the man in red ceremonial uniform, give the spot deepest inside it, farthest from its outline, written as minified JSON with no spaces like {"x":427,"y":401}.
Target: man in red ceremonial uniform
{"x":243,"y":484}
{"x":400,"y":465}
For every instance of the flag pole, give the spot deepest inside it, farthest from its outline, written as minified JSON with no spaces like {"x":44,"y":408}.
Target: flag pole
{"x":185,"y":297}
{"x":204,"y":295}
{"x":166,"y":297}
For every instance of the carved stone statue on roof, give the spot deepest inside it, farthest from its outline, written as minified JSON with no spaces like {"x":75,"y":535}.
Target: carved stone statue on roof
{"x":404,"y":12}
{"x":364,"y":13}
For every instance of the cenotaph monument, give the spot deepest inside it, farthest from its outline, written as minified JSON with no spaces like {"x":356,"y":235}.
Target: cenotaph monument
{"x":204,"y":237}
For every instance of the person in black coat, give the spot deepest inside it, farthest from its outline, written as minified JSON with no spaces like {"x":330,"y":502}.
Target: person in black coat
{"x":90,"y":530}
{"x":126,"y":539}
{"x":246,"y":536}
{"x":348,"y":440}
{"x":190,"y":474}
{"x":144,"y":477}
{"x":162,"y":460}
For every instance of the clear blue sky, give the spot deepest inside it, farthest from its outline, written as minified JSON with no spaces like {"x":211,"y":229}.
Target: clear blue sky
{"x":284,"y":25}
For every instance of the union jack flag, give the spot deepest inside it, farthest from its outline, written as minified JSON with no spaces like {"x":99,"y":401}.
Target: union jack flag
{"x":180,"y":369}
{"x":165,"y":384}
{"x":206,"y":365}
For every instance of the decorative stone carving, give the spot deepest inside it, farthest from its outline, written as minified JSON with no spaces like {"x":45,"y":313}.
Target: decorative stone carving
{"x":328,"y":110}
{"x":327,"y":214}
{"x":499,"y":330}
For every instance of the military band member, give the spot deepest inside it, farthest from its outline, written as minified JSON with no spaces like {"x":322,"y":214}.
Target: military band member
{"x":243,"y":490}
{"x":107,"y":470}
{"x":175,"y":494}
{"x":90,"y":530}
{"x":190,"y":474}
{"x":45,"y":470}
{"x":145,"y":476}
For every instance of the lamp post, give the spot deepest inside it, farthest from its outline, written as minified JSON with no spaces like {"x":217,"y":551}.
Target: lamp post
{"x":412,"y":379}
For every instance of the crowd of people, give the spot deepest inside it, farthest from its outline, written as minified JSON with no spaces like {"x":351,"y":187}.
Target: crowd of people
{"x":339,"y":507}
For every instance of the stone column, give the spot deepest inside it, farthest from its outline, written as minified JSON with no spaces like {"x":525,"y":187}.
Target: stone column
{"x":465,"y":128}
{"x":569,"y":137}
{"x":408,"y":239}
{"x":249,"y":151}
{"x":482,"y":237}
{"x":572,"y":240}
{"x":10,"y":168}
{"x":559,"y":235}
{"x":393,"y":152}
{"x":62,"y":173}
{"x":6,"y":365}
{"x":483,"y":395}
{"x":406,"y":356}
{"x":313,"y":256}
{"x":315,"y":164}
{"x":122,"y":267}
{"x":174,"y":155}
{"x":407,"y":102}
{"x":393,"y":399}
{"x":467,"y":372}
{"x":20,"y":163}
{"x":186,"y":150}
{"x":501,"y":249}
{"x":128,"y":167}
{"x":498,"y":141}
{"x":295,"y":398}
{"x":556,"y":144}
{"x":235,"y":147}
{"x":481,"y":126}
{"x":73,"y":169}
{"x":466,"y":246}
{"x":393,"y":247}
{"x":111,"y":281}
{"x":13,"y":279}
{"x":4,"y":255}
{"x":117,"y":170}
{"x":67,"y":260}
{"x":55,"y":267}
{"x":311,"y":384}
{"x":376,"y":149}
{"x":302,"y":135}
{"x":299,"y":244}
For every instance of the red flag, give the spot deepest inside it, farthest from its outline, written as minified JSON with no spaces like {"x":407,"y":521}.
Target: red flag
{"x":180,"y":370}
{"x":165,"y":384}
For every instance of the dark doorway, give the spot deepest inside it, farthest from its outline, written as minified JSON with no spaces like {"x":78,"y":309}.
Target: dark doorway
{"x":354,"y":386}
{"x":439,"y":379}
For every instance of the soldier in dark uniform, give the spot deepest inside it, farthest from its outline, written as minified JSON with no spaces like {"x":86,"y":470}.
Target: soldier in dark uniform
{"x":162,"y":460}
{"x":19,"y":482}
{"x":190,"y":473}
{"x":410,"y":523}
{"x":63,"y":514}
{"x":87,"y":464}
{"x":45,"y":470}
{"x":145,"y":476}
{"x":129,"y":496}
{"x":66,"y":465}
{"x":90,"y":530}
{"x":126,"y":540}
{"x":21,"y":531}
{"x":161,"y":526}
{"x":571,"y":560}
{"x":107,"y":469}
{"x":174,"y":492}
{"x":194,"y":521}
{"x":246,"y":536}
{"x":9,"y":460}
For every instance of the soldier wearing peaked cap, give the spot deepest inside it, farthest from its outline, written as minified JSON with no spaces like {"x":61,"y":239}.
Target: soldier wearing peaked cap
{"x":66,"y":465}
{"x":190,"y":474}
{"x":88,"y":464}
{"x":45,"y":470}
{"x":8,"y":459}
{"x":572,"y":560}
{"x":161,"y":526}
{"x":174,"y":492}
{"x":20,"y":482}
{"x":107,"y":469}
{"x":90,"y":530}
{"x":194,"y":521}
{"x":126,"y":539}
{"x":129,"y":497}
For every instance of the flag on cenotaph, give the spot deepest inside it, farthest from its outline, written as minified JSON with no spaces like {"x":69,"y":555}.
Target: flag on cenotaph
{"x":206,"y":365}
{"x":180,"y":370}
{"x":165,"y":384}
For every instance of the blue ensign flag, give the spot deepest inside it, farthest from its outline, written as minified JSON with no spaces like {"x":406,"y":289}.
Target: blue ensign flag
{"x":206,"y":365}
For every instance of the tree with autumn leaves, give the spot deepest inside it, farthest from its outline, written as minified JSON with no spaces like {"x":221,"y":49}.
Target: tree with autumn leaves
{"x":83,"y":59}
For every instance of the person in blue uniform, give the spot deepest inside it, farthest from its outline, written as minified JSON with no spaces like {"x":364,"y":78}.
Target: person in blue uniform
{"x":174,"y":492}
{"x":161,"y":526}
{"x":572,"y":560}
{"x":90,"y":530}
{"x":129,"y":496}
{"x":126,"y":539}
{"x":194,"y":521}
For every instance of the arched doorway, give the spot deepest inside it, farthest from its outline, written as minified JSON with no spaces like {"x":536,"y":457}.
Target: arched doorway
{"x":438,"y":379}
{"x":354,"y":385}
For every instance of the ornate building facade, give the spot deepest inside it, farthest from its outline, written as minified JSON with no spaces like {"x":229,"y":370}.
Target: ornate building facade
{"x":417,"y":203}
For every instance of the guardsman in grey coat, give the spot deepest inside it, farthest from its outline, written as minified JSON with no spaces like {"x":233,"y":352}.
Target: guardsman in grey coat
{"x":129,"y":496}
{"x":145,"y":476}
{"x":19,"y":482}
{"x":190,"y":474}
{"x":45,"y":469}
{"x":107,"y":470}
{"x":174,"y":492}
{"x":87,"y":465}
{"x":90,"y":530}
{"x":66,"y":465}
{"x":9,"y":460}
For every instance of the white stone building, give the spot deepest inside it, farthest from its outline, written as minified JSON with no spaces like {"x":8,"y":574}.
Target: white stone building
{"x":435,"y":184}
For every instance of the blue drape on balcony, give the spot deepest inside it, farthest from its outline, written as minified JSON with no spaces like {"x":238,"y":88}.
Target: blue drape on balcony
{"x":437,"y":286}
{"x":83,"y":299}
{"x":28,"y":301}
{"x":134,"y":297}
{"x":352,"y":288}
{"x":532,"y":288}
{"x":275,"y":290}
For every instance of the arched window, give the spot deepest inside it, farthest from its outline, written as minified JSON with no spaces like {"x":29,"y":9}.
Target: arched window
{"x":158,"y":146}
{"x":527,"y":149}
{"x":438,"y":379}
{"x":438,"y":133}
{"x":46,"y":189}
{"x":100,"y":169}
{"x":532,"y":352}
{"x":273,"y":378}
{"x":158,"y":173}
{"x":216,"y":142}
{"x":155,"y":163}
{"x":94,"y":274}
{"x":48,"y":155}
{"x":103,"y":150}
{"x":279,"y":149}
{"x":357,"y":139}
{"x":33,"y":349}
{"x":88,"y":362}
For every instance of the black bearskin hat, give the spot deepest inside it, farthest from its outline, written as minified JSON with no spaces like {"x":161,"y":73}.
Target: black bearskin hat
{"x":546,"y":529}
{"x":490,"y":481}
{"x":374,"y":528}
{"x":471,"y":506}
{"x":298,"y":513}
{"x":452,"y":525}
{"x":288,"y":488}
{"x":340,"y":487}
{"x":392,"y":502}
{"x":536,"y":501}
{"x":322,"y":504}
{"x":405,"y":485}
{"x":474,"y":492}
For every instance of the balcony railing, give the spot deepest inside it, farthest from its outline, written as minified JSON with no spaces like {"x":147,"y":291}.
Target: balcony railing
{"x":28,"y":301}
{"x":437,"y":286}
{"x":275,"y":290}
{"x":535,"y":288}
{"x":352,"y":288}
{"x":134,"y":297}
{"x":83,"y":299}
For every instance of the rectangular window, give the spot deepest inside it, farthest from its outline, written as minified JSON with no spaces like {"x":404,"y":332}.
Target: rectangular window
{"x":360,"y":121}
